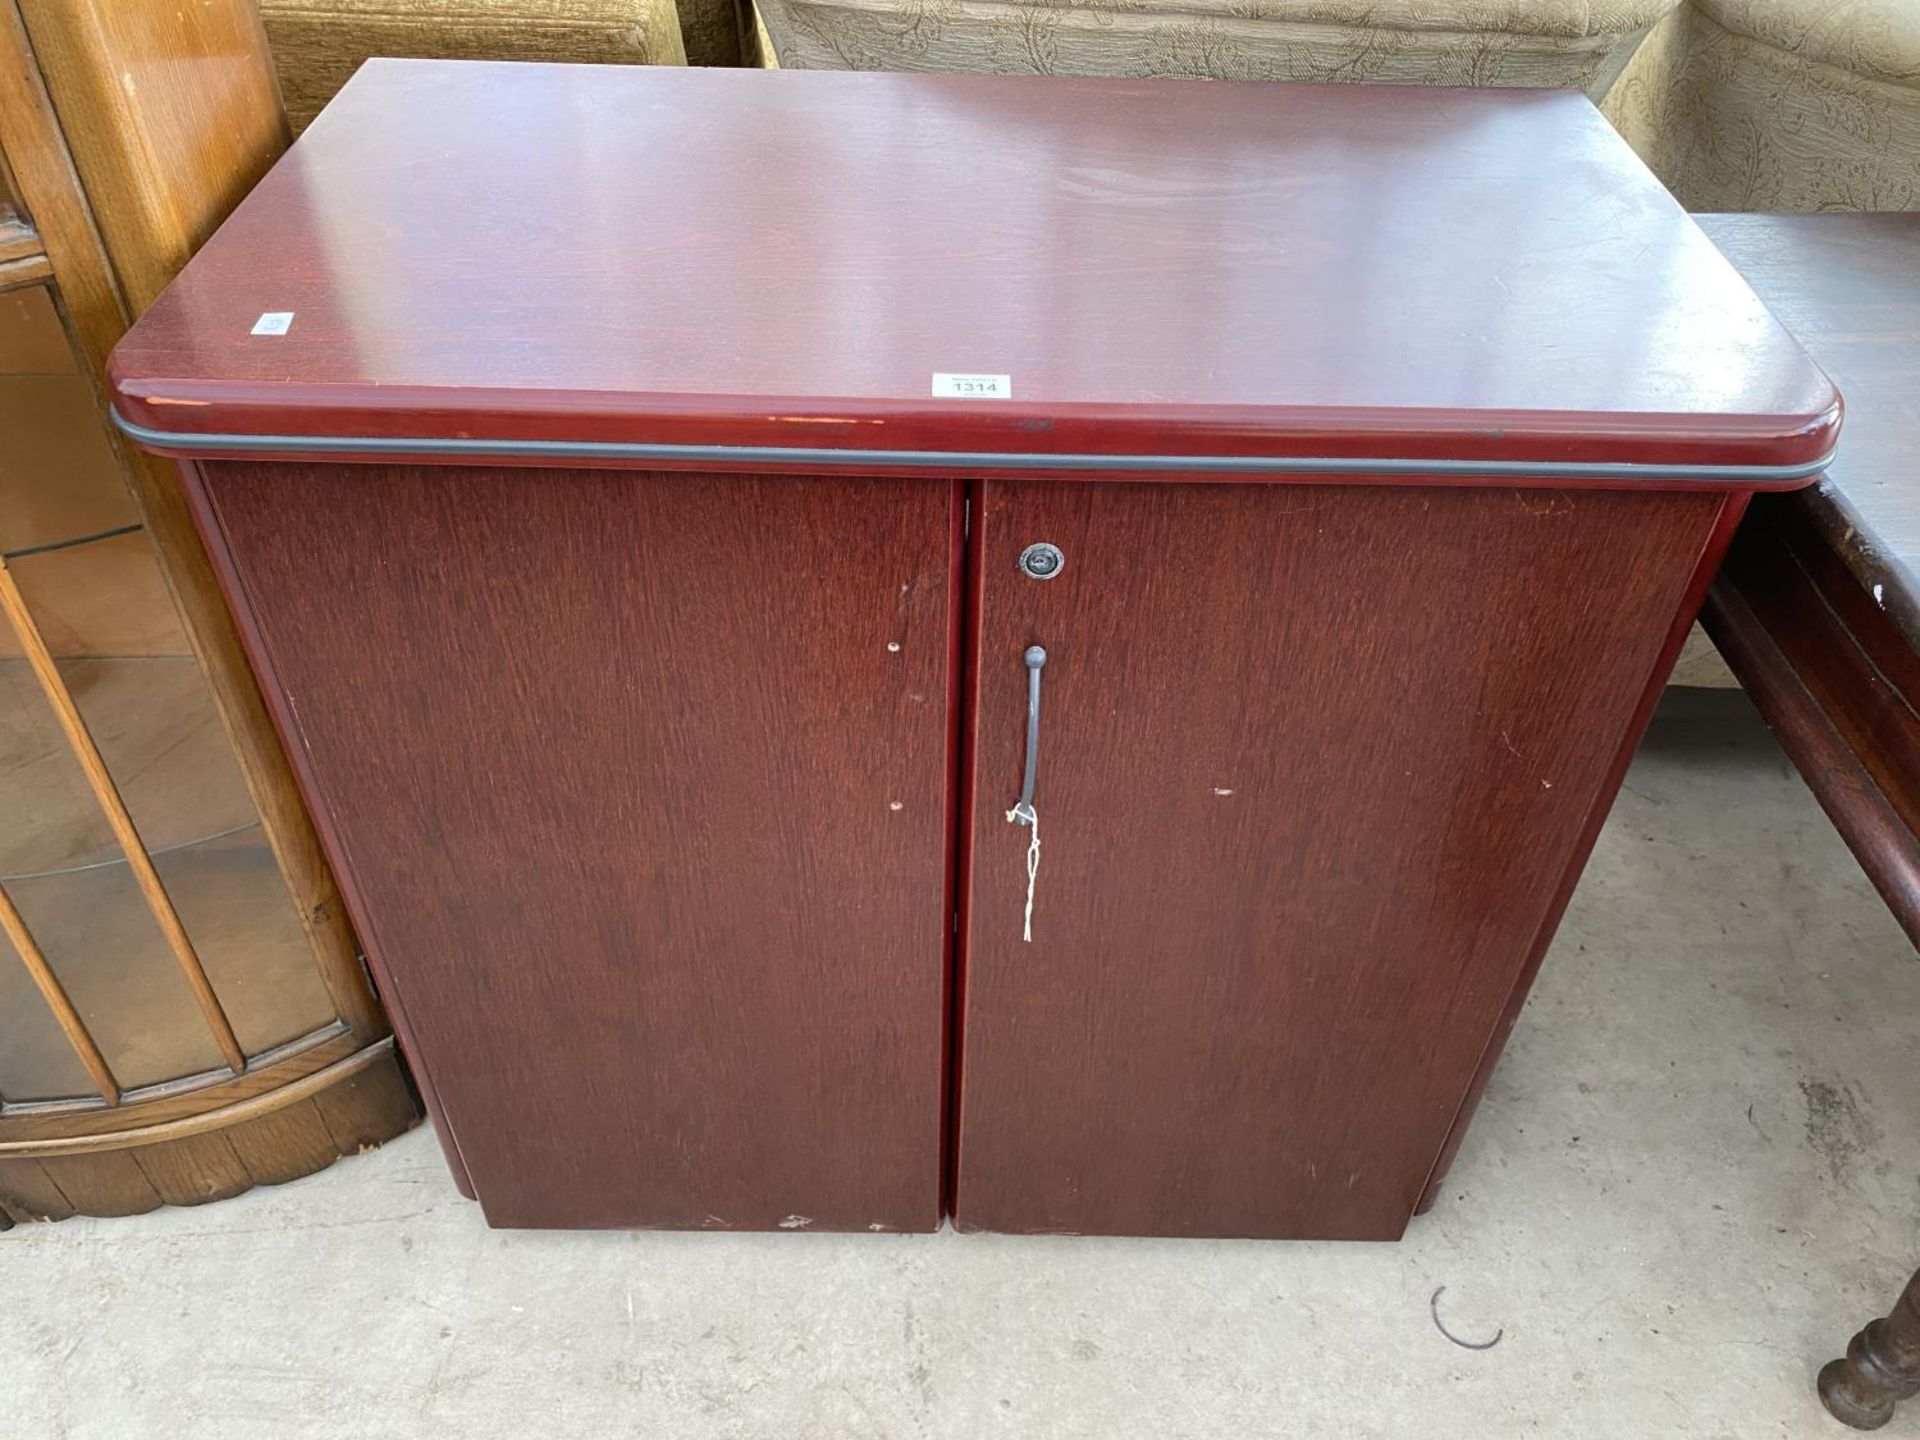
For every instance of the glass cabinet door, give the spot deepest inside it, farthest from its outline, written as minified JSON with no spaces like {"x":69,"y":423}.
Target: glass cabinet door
{"x":79,"y":561}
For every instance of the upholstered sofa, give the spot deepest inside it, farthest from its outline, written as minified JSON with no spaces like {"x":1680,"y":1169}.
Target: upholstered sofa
{"x":1779,"y":104}
{"x":1736,"y":104}
{"x":1567,"y":44}
{"x":318,"y":44}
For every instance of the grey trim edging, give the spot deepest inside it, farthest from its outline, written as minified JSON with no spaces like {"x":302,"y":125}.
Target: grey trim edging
{"x":806,"y":455}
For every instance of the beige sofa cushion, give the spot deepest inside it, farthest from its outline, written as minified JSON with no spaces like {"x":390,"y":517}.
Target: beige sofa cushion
{"x":1568,"y":44}
{"x":1570,"y":18}
{"x":1780,"y":104}
{"x":318,"y":44}
{"x":1874,"y":39}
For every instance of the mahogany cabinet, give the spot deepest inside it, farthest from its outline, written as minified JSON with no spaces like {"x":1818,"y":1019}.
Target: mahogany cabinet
{"x":871,"y":647}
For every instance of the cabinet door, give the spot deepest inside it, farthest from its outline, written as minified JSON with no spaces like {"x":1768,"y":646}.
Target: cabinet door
{"x":639,"y":785}
{"x":1314,"y":763}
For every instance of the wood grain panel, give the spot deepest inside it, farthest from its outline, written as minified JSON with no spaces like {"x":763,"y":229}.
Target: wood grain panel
{"x":1837,"y":681}
{"x":1158,"y":267}
{"x":1313,"y":764}
{"x":350,"y":1107}
{"x":172,"y":113}
{"x":638,"y":788}
{"x":1705,"y":566}
{"x":194,"y":1169}
{"x":1850,"y":656}
{"x":28,"y":1193}
{"x":283,"y":1145}
{"x":30,"y":272}
{"x":367,"y":1108}
{"x":111,"y":1181}
{"x":1766,"y":644}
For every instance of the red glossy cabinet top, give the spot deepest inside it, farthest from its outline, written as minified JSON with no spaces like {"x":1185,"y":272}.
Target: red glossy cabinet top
{"x":662,"y":256}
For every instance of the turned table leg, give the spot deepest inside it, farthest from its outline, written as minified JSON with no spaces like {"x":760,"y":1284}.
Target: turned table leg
{"x":1882,"y":1366}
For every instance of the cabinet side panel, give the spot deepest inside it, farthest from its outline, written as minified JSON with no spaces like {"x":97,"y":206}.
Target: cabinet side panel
{"x":1313,"y":763}
{"x":1707,"y":564}
{"x":197,"y":490}
{"x":642,"y":783}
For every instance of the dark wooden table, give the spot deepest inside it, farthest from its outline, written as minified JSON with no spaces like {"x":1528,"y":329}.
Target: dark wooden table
{"x":1817,"y":608}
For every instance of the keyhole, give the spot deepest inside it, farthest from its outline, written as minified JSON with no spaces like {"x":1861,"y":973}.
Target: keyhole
{"x":1041,"y":561}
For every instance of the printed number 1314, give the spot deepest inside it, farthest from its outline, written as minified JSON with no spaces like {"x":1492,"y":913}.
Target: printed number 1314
{"x":972,"y":387}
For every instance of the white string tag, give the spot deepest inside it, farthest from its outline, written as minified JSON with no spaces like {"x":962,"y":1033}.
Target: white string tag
{"x":1025,"y":812}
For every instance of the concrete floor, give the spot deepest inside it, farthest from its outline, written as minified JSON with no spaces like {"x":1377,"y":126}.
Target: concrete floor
{"x":1698,"y":1170}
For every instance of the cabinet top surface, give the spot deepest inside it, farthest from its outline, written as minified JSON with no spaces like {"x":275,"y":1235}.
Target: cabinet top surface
{"x":484,"y":253}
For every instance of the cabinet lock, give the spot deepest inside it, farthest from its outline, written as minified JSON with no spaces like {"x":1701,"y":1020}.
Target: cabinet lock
{"x":1042,"y":561}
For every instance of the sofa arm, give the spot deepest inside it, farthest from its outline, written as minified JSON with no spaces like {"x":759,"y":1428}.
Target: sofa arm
{"x":318,"y":44}
{"x":1562,"y":44}
{"x":1779,"y":104}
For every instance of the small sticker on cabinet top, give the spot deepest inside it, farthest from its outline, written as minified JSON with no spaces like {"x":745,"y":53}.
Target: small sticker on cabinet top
{"x":274,"y":322}
{"x":972,"y":387}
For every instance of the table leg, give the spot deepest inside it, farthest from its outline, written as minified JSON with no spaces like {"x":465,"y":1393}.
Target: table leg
{"x":1882,"y":1366}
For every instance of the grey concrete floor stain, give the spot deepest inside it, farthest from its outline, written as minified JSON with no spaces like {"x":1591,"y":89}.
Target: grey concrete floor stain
{"x":1679,"y":1273}
{"x":1839,"y":1127}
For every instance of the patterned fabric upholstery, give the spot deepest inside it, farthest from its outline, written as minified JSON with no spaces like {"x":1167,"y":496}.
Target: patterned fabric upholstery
{"x":1568,"y":44}
{"x":318,"y":44}
{"x":1780,"y":104}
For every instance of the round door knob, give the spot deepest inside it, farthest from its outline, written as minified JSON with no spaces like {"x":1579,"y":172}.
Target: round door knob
{"x":1042,"y":561}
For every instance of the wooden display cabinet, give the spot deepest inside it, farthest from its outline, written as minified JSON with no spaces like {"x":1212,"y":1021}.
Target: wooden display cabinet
{"x":182,"y":1008}
{"x":1048,"y":651}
